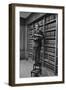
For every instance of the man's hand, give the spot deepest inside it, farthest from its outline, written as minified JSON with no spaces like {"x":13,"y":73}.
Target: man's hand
{"x":36,"y":38}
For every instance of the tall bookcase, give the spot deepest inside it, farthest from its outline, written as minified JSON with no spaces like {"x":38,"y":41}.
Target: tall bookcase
{"x":48,"y":55}
{"x":51,"y":42}
{"x":30,"y":41}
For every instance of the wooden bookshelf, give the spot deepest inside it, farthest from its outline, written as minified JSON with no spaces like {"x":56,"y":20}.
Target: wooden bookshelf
{"x":50,"y":45}
{"x":50,"y":21}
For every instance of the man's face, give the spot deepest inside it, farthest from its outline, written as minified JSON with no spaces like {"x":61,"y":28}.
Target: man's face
{"x":36,"y":27}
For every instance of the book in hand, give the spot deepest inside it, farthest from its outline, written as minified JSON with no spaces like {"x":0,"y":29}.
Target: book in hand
{"x":36,"y":38}
{"x":38,"y":35}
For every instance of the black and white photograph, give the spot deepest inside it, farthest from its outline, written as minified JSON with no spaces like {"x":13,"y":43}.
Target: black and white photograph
{"x":38,"y":44}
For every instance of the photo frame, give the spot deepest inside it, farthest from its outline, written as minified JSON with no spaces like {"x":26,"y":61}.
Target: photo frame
{"x":23,"y":19}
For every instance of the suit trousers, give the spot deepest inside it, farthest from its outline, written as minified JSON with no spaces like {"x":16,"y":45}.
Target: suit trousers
{"x":37,"y":54}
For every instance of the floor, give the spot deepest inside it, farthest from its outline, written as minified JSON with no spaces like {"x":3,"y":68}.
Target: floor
{"x":26,"y":66}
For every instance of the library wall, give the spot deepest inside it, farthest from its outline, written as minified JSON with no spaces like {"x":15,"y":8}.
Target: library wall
{"x":51,"y":42}
{"x":26,"y":41}
{"x":22,"y":38}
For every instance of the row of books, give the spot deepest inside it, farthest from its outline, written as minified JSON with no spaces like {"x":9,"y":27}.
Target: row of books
{"x":50,"y":38}
{"x":52,"y":61}
{"x":50,"y":45}
{"x":49,"y":49}
{"x":50,"y":53}
{"x":49,"y":65}
{"x":50,"y":25}
{"x":50,"y":17}
{"x":49,"y":56}
{"x":49,"y":41}
{"x":53,"y":33}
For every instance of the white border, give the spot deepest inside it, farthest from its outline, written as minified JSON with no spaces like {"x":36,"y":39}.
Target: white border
{"x":19,"y":80}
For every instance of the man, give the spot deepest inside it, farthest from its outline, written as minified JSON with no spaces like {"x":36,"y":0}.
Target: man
{"x":37,"y":38}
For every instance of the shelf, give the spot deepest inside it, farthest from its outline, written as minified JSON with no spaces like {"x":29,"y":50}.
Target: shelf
{"x":50,"y":38}
{"x":47,"y":60}
{"x":49,"y":65}
{"x":50,"y":30}
{"x":50,"y":46}
{"x":50,"y":59}
{"x":49,"y":53}
{"x":51,"y":21}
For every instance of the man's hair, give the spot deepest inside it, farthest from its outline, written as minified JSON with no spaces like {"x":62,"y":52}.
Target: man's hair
{"x":36,"y":25}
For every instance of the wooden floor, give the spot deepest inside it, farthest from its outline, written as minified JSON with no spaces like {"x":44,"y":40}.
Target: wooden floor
{"x":26,"y":67}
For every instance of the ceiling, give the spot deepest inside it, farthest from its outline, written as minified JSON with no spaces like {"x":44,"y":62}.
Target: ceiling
{"x":24,"y":14}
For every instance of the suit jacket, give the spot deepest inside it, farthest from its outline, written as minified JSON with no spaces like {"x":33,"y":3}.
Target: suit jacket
{"x":37,"y":37}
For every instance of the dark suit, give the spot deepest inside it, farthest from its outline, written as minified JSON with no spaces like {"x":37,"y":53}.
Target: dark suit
{"x":38,"y":36}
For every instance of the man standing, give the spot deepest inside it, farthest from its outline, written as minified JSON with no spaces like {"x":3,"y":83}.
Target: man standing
{"x":37,"y":38}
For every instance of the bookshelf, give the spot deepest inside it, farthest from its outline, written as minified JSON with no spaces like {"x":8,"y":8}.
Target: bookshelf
{"x":30,"y":41}
{"x":50,"y":42}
